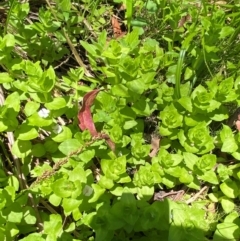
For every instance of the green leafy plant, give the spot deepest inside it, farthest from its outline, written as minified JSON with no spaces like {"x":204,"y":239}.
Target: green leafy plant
{"x":119,"y":138}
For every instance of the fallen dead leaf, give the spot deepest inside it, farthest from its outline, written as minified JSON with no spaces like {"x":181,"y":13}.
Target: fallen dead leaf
{"x":86,"y":121}
{"x":155,"y":142}
{"x":117,"y":32}
{"x":183,"y":20}
{"x":85,"y":116}
{"x":237,"y":124}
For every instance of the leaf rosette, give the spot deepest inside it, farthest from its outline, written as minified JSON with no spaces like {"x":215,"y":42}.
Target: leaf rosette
{"x":144,"y":177}
{"x":170,"y":117}
{"x":206,"y":162}
{"x":203,"y":99}
{"x":197,"y":139}
{"x":114,"y":168}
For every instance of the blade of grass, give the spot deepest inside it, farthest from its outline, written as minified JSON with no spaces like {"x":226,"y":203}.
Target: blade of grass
{"x":204,"y":54}
{"x":12,"y":3}
{"x":129,"y":13}
{"x":179,"y":73}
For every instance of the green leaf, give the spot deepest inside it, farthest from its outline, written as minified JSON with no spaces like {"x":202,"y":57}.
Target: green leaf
{"x":143,"y":107}
{"x":70,"y":204}
{"x":120,"y":90}
{"x":91,"y":49}
{"x":29,"y":215}
{"x":14,"y":213}
{"x":78,"y":173}
{"x":71,"y":227}
{"x":225,"y":91}
{"x":129,"y":124}
{"x":87,"y":156}
{"x":5,"y":78}
{"x":33,"y":237}
{"x":12,"y":229}
{"x":227,"y":204}
{"x":190,"y":160}
{"x":64,"y":135}
{"x":138,"y":22}
{"x":175,"y":233}
{"x":219,"y":114}
{"x":209,"y":176}
{"x":223,"y":172}
{"x":230,"y":189}
{"x":55,"y":200}
{"x":98,"y":192}
{"x":203,"y":99}
{"x":69,"y":146}
{"x":13,"y":181}
{"x":13,"y":101}
{"x":232,"y":217}
{"x":108,"y":102}
{"x":25,"y":132}
{"x":185,"y":177}
{"x":188,"y":73}
{"x":136,"y":86}
{"x":64,"y":5}
{"x":3,"y":125}
{"x":171,"y":74}
{"x":116,"y":133}
{"x":56,"y":104}
{"x":76,"y":214}
{"x":36,"y":120}
{"x":21,"y":148}
{"x":127,"y":204}
{"x":48,"y":80}
{"x":38,"y":150}
{"x":106,"y":183}
{"x":63,"y":188}
{"x":145,"y":193}
{"x":50,"y":146}
{"x":31,"y":108}
{"x":226,"y":31}
{"x":227,"y":231}
{"x":186,"y":103}
{"x":151,"y":6}
{"x":8,"y":41}
{"x":229,"y":143}
{"x":54,"y":225}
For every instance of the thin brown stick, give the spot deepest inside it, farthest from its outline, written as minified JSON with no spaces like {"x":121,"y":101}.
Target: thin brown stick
{"x":197,"y":195}
{"x":63,"y":62}
{"x":162,"y":196}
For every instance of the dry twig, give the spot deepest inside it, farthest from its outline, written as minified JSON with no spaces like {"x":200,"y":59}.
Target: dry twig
{"x":197,"y":195}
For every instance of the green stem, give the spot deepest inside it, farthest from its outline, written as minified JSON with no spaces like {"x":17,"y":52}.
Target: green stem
{"x":12,"y":3}
{"x":179,"y":73}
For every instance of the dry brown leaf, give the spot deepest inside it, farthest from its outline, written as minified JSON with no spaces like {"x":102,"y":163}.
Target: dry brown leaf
{"x":86,"y":121}
{"x":85,"y":116}
{"x":237,"y":123}
{"x":122,"y":7}
{"x":155,"y":142}
{"x":183,"y":20}
{"x":117,"y":32}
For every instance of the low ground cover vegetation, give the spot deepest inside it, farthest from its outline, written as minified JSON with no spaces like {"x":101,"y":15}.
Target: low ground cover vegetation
{"x":119,"y":120}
